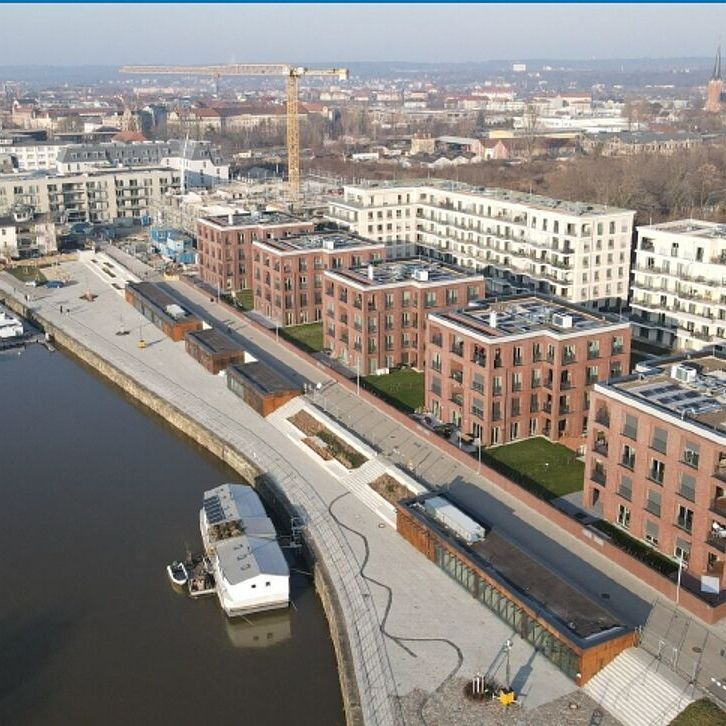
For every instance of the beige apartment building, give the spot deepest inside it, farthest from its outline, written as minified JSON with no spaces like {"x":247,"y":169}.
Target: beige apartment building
{"x":288,"y":272}
{"x":102,"y":196}
{"x":679,"y":284}
{"x":375,"y":315}
{"x":579,"y":252}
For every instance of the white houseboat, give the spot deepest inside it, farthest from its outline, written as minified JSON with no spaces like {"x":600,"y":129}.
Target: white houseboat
{"x":250,"y":570}
{"x":10,"y":327}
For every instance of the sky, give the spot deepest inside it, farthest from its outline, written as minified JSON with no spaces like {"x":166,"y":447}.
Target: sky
{"x":100,"y":34}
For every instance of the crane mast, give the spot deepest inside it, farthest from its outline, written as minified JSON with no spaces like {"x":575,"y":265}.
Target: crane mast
{"x":292,"y":75}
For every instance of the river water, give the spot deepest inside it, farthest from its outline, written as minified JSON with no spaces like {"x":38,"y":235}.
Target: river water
{"x":97,"y":496}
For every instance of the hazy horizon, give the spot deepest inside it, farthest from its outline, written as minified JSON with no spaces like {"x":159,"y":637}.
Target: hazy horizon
{"x":96,"y":34}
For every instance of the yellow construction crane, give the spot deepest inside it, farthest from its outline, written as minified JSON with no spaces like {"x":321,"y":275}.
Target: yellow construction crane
{"x":292,"y":74}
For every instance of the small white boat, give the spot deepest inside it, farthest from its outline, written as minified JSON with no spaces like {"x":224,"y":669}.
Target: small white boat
{"x":10,"y":327}
{"x":177,"y":573}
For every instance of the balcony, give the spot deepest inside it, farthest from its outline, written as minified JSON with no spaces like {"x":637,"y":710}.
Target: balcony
{"x":601,"y":447}
{"x":718,"y":506}
{"x":436,"y":340}
{"x":457,"y":398}
{"x":716,"y":541}
{"x":593,"y":354}
{"x":598,"y":476}
{"x":457,"y":349}
{"x":480,"y":360}
{"x":458,"y":376}
{"x":568,"y":358}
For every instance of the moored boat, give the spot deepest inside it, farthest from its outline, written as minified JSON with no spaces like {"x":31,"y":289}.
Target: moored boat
{"x":178,"y":574}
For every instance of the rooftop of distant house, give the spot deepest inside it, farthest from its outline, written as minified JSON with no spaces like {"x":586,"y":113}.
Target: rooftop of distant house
{"x":691,"y":388}
{"x":328,"y":241}
{"x":517,"y":315}
{"x":418,"y":271}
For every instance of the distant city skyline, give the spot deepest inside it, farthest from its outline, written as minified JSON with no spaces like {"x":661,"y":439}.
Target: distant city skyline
{"x":66,"y":34}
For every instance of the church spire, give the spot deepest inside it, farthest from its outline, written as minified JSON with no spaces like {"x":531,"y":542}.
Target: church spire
{"x":717,"y":66}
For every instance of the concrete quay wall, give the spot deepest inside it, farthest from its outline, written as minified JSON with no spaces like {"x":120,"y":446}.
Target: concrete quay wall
{"x":249,"y":471}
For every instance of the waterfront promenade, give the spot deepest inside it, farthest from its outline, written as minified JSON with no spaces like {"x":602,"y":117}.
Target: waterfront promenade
{"x":411,"y":629}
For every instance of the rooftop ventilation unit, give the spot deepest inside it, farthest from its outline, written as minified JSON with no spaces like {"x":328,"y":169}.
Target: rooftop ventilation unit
{"x":328,"y":243}
{"x":561,"y":320}
{"x":684,"y":374}
{"x":493,"y":319}
{"x":175,"y":311}
{"x":421,"y":275}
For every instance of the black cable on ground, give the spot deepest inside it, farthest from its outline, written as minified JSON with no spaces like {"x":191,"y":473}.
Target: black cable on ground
{"x":398,"y":640}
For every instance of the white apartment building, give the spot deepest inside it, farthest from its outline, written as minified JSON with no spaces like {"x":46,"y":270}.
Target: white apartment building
{"x":679,"y":286}
{"x":33,"y":156}
{"x":577,"y":251}
{"x":101,"y":196}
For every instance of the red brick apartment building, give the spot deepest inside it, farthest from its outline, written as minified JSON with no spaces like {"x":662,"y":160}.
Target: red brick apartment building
{"x":376,"y":314}
{"x":656,"y":459}
{"x":521,"y":366}
{"x":288,"y":273}
{"x":224,"y":243}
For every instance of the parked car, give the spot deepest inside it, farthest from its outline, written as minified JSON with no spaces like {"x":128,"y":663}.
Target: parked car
{"x":54,"y":283}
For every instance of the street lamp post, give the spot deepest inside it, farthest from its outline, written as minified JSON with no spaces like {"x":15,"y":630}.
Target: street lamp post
{"x":678,"y":582}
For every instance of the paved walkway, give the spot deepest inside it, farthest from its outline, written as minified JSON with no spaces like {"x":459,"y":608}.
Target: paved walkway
{"x":411,"y":626}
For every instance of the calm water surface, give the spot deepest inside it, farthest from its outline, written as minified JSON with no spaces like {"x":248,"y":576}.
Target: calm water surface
{"x":96,"y":498}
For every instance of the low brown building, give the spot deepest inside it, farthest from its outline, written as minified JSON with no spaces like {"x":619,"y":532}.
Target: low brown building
{"x":575,"y":633}
{"x":213,"y":350}
{"x":260,"y":387}
{"x":161,"y":309}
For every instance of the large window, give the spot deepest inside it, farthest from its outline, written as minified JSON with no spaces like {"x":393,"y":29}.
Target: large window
{"x":509,"y":611}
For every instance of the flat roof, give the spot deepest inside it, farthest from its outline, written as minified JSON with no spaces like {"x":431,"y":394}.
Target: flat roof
{"x":165,"y":304}
{"x":243,"y":535}
{"x":251,"y":219}
{"x":419,"y":270}
{"x":572,"y":613}
{"x":261,"y":377}
{"x":691,"y":387}
{"x":689,"y":228}
{"x":581,"y":209}
{"x":521,"y":314}
{"x":331,"y":241}
{"x":214,"y":342}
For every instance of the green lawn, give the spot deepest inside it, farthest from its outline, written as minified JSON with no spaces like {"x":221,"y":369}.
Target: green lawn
{"x":24,"y":273}
{"x":245,"y":299}
{"x":551,"y":470}
{"x":403,"y":388}
{"x":700,"y":713}
{"x":309,"y":337}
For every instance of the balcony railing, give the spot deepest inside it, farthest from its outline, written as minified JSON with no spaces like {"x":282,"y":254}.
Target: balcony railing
{"x":601,"y":447}
{"x":599,"y":476}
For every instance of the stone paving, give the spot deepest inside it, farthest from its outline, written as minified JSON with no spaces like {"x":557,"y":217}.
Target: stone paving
{"x":411,"y":627}
{"x":449,"y":707}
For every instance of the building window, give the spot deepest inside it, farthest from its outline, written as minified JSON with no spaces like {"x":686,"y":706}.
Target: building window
{"x":628,"y":458}
{"x":624,"y":516}
{"x":652,"y":503}
{"x":657,"y":470}
{"x":659,"y":440}
{"x":684,"y":518}
{"x":691,"y":454}
{"x":625,"y":487}
{"x":651,"y":533}
{"x":682,"y":550}
{"x":630,"y":428}
{"x":687,"y":487}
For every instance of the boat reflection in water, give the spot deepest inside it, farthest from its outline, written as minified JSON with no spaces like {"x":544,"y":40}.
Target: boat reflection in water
{"x":260,"y":631}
